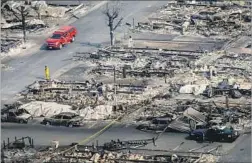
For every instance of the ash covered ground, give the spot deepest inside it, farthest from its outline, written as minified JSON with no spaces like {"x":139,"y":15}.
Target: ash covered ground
{"x":156,"y":86}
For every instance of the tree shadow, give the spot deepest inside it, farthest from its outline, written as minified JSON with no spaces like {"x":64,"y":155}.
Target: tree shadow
{"x":43,"y":47}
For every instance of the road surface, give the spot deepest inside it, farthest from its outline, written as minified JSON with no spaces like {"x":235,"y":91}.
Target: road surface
{"x":92,"y":31}
{"x":241,"y":153}
{"x":43,"y":135}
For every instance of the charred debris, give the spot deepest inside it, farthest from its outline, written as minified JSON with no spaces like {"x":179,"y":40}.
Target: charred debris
{"x":22,"y":151}
{"x":162,"y":79}
{"x":218,"y":19}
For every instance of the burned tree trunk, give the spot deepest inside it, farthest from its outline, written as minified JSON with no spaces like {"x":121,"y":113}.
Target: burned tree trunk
{"x":22,"y":12}
{"x":23,"y":23}
{"x":112,"y":14}
{"x":111,"y":33}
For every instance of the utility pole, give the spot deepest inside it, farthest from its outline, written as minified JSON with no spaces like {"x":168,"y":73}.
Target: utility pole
{"x":23,"y":22}
{"x":115,"y":86}
{"x":227,"y":102}
{"x":2,"y":156}
{"x":133,"y":23}
{"x":240,"y":21}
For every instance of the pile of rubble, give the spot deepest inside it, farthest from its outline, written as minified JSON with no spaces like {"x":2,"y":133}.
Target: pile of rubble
{"x":130,"y":76}
{"x":31,"y":155}
{"x":177,"y":115}
{"x":19,"y":150}
{"x":38,"y":15}
{"x":11,"y":21}
{"x":114,"y":151}
{"x":235,"y":64}
{"x":30,"y":25}
{"x":8,"y":43}
{"x":113,"y":157}
{"x":208,"y":20}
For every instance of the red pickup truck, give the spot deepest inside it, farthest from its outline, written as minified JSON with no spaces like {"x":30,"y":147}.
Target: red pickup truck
{"x":61,"y":37}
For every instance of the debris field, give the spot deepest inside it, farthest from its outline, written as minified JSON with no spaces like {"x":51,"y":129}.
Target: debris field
{"x":220,"y":20}
{"x":21,"y":150}
{"x":158,"y":85}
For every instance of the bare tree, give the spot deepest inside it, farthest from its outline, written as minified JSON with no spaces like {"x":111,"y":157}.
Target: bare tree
{"x":20,"y":13}
{"x":112,"y":13}
{"x":37,"y":9}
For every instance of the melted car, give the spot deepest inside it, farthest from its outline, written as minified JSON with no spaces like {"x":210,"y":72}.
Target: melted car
{"x":64,"y":119}
{"x":15,"y":115}
{"x":215,"y":134}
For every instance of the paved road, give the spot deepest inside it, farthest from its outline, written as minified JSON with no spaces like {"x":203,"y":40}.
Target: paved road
{"x":44,"y":134}
{"x":92,"y":29}
{"x":241,"y":153}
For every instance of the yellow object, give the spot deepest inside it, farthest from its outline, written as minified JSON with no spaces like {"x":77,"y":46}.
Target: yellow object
{"x":47,"y":73}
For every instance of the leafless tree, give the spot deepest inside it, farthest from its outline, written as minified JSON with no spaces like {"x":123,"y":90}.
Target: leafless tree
{"x":20,"y":13}
{"x":112,"y":13}
{"x":37,"y":9}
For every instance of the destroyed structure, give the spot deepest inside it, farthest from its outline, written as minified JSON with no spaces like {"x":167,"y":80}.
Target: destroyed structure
{"x":220,"y":19}
{"x":158,"y":83}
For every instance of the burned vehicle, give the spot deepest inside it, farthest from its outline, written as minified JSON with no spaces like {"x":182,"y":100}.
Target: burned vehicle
{"x":15,"y":115}
{"x":190,"y":120}
{"x":224,"y":88}
{"x":157,"y":124}
{"x":215,"y":134}
{"x":67,"y":119}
